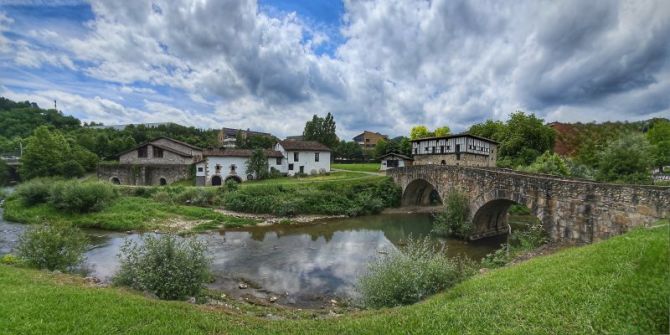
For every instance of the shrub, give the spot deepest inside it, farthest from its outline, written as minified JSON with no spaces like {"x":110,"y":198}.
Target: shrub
{"x":404,"y":277}
{"x":199,"y":196}
{"x":8,"y":259}
{"x":35,"y":191}
{"x":71,"y":169}
{"x":75,"y":197}
{"x":453,"y":221}
{"x":162,"y":196}
{"x":530,"y":238}
{"x":498,"y":258}
{"x":53,"y":247}
{"x":167,"y":266}
{"x":231,"y":185}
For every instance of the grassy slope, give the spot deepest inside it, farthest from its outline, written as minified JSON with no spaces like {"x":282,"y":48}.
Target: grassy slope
{"x":618,"y":286}
{"x":126,"y":213}
{"x":361,"y":167}
{"x":339,"y":176}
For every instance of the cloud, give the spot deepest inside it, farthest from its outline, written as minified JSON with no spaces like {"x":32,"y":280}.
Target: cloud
{"x":399,"y":62}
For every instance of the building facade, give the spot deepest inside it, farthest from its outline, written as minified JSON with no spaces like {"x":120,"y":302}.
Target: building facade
{"x":461,"y":149}
{"x":368,"y":139}
{"x":394,"y":160}
{"x":228,"y":136}
{"x":305,"y":157}
{"x":218,"y":166}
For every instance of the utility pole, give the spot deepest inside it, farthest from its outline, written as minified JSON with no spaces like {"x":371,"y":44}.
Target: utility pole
{"x":55,"y":105}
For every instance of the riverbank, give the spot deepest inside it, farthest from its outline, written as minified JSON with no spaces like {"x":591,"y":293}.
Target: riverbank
{"x":614,"y":286}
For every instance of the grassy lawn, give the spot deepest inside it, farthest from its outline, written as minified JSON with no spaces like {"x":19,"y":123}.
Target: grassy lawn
{"x":336,"y":176}
{"x":616,"y":286}
{"x":360,"y":167}
{"x":125,"y":213}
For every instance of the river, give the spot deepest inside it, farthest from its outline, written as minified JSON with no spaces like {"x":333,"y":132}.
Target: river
{"x":302,"y":265}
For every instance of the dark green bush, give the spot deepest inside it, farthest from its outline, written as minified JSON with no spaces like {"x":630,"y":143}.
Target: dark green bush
{"x":167,"y":266}
{"x":71,"y":169}
{"x":231,"y":185}
{"x":76,"y":197}
{"x":199,"y":196}
{"x":453,"y":221}
{"x":35,"y":191}
{"x":521,"y":240}
{"x":417,"y":271}
{"x":53,"y":247}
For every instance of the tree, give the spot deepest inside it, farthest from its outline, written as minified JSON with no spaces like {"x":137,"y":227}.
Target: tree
{"x":44,"y":151}
{"x":418,"y":132}
{"x":659,"y":138}
{"x":442,"y":131}
{"x":549,"y":163}
{"x":258,"y":164}
{"x":321,"y":130}
{"x":627,"y":159}
{"x":348,"y":150}
{"x":405,"y":146}
{"x":495,"y":130}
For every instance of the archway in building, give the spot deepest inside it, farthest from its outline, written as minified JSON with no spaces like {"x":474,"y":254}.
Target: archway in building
{"x":115,"y":181}
{"x":162,"y":181}
{"x":216,"y":181}
{"x":421,"y":193}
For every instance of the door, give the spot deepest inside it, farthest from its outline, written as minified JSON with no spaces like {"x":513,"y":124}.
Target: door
{"x":216,"y":181}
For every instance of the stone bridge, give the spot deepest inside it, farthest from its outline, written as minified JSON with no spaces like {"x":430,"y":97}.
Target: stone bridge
{"x":569,"y":209}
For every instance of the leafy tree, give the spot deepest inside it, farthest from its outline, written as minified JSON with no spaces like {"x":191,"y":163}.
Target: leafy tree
{"x":348,"y":150}
{"x":549,"y":163}
{"x":442,"y":131}
{"x":258,"y":164}
{"x":627,"y":159}
{"x":321,"y":130}
{"x":418,"y":132}
{"x":243,"y":141}
{"x":495,"y":130}
{"x":659,"y":138}
{"x":44,"y":151}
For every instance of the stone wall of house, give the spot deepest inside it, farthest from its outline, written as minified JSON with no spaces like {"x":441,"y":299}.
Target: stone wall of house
{"x":168,"y":157}
{"x":466,"y":159}
{"x":139,"y":174}
{"x":569,"y":209}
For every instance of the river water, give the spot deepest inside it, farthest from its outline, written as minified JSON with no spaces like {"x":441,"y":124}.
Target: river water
{"x":305,"y":265}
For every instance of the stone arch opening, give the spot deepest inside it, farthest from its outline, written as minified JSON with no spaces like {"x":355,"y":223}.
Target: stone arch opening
{"x":421,"y":193}
{"x":115,"y":181}
{"x":497,"y":216}
{"x":162,"y":181}
{"x":234,"y":178}
{"x":216,"y":180}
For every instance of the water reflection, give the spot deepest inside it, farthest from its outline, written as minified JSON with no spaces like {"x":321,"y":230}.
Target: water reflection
{"x":303,"y":264}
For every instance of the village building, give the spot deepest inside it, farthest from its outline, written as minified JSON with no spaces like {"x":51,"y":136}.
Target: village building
{"x":228,"y":136}
{"x":460,"y":149}
{"x":304,"y":157}
{"x":160,"y":161}
{"x":368,"y":139}
{"x":394,"y":160}
{"x":218,"y":166}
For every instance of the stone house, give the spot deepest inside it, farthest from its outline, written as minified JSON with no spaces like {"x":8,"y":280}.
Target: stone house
{"x":307,"y":157}
{"x":460,"y":149}
{"x":368,"y":139}
{"x":394,"y":160}
{"x":218,"y":166}
{"x":160,"y":161}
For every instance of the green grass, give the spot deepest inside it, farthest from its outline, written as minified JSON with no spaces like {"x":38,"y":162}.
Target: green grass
{"x":616,"y":286}
{"x":360,"y":167}
{"x":337,"y":176}
{"x":125,"y":213}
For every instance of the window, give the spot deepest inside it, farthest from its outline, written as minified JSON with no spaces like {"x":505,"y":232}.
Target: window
{"x":200,"y":169}
{"x":233,"y":167}
{"x":278,"y":160}
{"x":316,"y":156}
{"x":442,"y":149}
{"x":142,"y":152}
{"x":218,"y":168}
{"x":158,"y":152}
{"x":302,"y":169}
{"x":426,"y":149}
{"x":416,"y":151}
{"x":296,"y":157}
{"x":392,"y":163}
{"x":290,"y":167}
{"x":433,"y":151}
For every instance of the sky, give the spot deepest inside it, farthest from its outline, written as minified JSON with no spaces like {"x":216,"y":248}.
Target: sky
{"x":380,"y":65}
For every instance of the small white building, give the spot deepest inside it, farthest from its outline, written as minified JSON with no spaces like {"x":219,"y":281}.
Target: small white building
{"x":218,"y":166}
{"x":394,"y":160}
{"x":306,"y":157}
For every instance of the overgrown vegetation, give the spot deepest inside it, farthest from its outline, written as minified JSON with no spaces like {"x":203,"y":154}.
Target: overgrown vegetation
{"x":170,"y":267}
{"x":69,"y":196}
{"x":53,"y":246}
{"x":353,"y":198}
{"x":418,"y":270}
{"x":521,"y":240}
{"x":453,"y":221}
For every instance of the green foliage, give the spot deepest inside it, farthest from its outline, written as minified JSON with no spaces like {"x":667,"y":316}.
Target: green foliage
{"x":522,"y":138}
{"x":659,"y":138}
{"x":53,"y":247}
{"x":44,"y":151}
{"x":35,"y":191}
{"x":548,"y":163}
{"x":348,"y":150}
{"x":404,"y":277}
{"x":321,"y":130}
{"x":9,"y":259}
{"x":357,"y":167}
{"x":258,"y":164}
{"x":70,"y":169}
{"x":453,"y":221}
{"x":627,"y":159}
{"x":253,"y":141}
{"x":75,"y":197}
{"x":4,"y":173}
{"x":19,"y":119}
{"x":442,"y":131}
{"x":418,"y":132}
{"x":522,"y":240}
{"x":167,"y":266}
{"x":231,"y":185}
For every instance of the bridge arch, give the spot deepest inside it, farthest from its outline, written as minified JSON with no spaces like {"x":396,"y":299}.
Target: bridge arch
{"x":489,"y":212}
{"x":420,"y":192}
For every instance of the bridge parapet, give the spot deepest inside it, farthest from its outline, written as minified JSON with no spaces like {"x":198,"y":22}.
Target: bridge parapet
{"x":570,"y":209}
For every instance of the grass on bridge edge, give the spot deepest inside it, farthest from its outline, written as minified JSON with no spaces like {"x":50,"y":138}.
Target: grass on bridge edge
{"x":615,"y":286}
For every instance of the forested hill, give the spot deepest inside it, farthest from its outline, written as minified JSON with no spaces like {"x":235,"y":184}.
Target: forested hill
{"x":19,"y":119}
{"x":571,"y":138}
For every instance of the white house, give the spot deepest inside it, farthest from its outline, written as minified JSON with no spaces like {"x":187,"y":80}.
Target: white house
{"x":218,"y":166}
{"x":394,"y":160}
{"x":307,"y":157}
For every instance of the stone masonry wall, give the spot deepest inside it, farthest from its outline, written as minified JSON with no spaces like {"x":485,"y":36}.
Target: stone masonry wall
{"x":133,"y":174}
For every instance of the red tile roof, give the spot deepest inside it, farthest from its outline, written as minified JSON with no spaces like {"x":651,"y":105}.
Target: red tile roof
{"x":291,"y":145}
{"x":239,"y":153}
